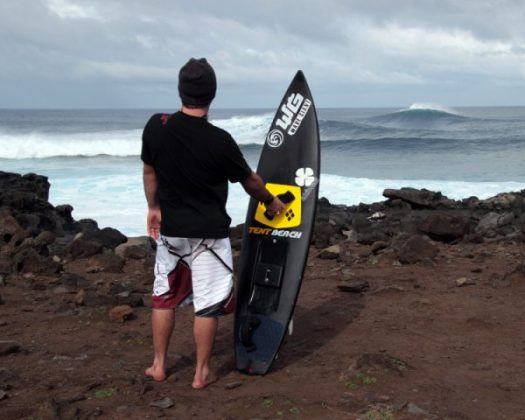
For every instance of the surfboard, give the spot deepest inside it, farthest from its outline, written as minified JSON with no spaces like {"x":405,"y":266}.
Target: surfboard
{"x":275,"y":249}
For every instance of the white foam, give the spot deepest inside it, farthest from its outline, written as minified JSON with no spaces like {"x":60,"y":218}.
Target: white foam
{"x":352,"y":191}
{"x":118,"y":200}
{"x":246,"y":129}
{"x":43,"y":145}
{"x":431,"y":107}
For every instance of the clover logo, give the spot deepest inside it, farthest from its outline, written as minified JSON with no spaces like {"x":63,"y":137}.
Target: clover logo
{"x":304,"y":177}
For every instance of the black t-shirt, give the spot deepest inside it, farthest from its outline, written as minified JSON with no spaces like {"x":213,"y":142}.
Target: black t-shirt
{"x":193,"y":161}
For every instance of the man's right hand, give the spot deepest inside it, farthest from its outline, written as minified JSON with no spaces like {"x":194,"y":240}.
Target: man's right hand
{"x":153,"y":222}
{"x":276,"y":207}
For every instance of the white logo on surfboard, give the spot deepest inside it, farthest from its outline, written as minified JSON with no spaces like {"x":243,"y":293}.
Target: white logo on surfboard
{"x":293,"y":113}
{"x":275,"y":138}
{"x":304,"y":177}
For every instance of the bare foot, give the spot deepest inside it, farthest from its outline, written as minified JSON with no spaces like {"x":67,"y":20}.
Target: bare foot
{"x":201,"y":382}
{"x":158,"y":374}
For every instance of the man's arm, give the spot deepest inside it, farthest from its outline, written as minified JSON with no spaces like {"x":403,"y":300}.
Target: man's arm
{"x":149,"y":178}
{"x":254,"y":186}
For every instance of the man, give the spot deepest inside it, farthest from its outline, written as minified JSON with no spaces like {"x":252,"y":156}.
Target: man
{"x":187,"y":165}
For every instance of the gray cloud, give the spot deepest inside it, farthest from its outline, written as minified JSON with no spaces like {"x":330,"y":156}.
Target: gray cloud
{"x":75,"y":53}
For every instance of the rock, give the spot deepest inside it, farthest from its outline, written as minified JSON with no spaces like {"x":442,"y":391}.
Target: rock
{"x":120,"y":289}
{"x":135,"y":248}
{"x":8,"y":347}
{"x":92,"y":299}
{"x":135,"y":252}
{"x":72,"y":282}
{"x":87,"y":226}
{"x":416,"y":198}
{"x":135,"y":300}
{"x":164,"y":403}
{"x":45,"y":238}
{"x":121,"y":313}
{"x":413,"y":248}
{"x":64,"y":211}
{"x":502,"y":201}
{"x":462,"y":281}
{"x":81,"y":248}
{"x":80,"y":297}
{"x":444,"y":227}
{"x":109,"y":262}
{"x":233,"y":385}
{"x":517,"y":274}
{"x":330,"y":253}
{"x":3,"y":395}
{"x":323,"y":234}
{"x":8,"y":226}
{"x":346,"y":255}
{"x":378,"y":246}
{"x":492,"y":221}
{"x":29,"y":261}
{"x":377,"y":216}
{"x":109,"y":238}
{"x":354,"y":286}
{"x":415,"y":410}
{"x":6,"y":263}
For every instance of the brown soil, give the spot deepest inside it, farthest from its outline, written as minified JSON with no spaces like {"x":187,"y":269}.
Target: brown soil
{"x":414,"y":345}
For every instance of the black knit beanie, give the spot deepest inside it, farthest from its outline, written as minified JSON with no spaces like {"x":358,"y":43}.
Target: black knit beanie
{"x":197,"y":82}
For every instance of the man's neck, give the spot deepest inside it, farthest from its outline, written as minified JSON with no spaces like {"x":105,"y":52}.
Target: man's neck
{"x":195,"y":112}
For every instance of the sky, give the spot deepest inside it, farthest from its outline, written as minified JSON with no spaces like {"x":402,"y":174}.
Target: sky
{"x":371,"y":53}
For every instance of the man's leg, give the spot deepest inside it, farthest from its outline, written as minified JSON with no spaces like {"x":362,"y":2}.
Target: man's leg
{"x":204,"y":331}
{"x":162,"y":323}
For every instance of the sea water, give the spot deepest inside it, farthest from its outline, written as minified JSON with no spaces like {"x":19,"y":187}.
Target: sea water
{"x":92,"y":156}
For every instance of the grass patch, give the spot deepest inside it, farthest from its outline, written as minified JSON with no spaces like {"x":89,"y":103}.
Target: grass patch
{"x":360,"y":378}
{"x":105,"y":393}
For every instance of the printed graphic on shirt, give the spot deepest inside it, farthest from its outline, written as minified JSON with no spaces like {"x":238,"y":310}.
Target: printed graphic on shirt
{"x":290,"y":195}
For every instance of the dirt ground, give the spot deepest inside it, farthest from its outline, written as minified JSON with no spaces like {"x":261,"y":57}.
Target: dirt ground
{"x":436,"y":340}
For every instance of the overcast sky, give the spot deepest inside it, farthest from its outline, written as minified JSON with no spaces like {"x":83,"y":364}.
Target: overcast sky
{"x":371,"y":53}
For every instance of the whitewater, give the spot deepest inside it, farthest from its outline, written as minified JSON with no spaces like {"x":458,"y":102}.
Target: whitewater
{"x":92,"y":156}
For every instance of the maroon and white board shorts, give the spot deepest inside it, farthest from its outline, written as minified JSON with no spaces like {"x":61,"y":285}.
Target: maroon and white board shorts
{"x":198,"y":270}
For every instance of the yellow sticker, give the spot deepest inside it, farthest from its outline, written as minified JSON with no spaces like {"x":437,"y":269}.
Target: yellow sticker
{"x":289,"y":218}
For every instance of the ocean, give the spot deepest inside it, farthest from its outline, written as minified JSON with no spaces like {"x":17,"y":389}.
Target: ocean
{"x":91,"y":157}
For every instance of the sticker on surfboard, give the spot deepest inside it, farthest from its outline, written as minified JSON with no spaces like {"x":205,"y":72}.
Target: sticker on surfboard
{"x":290,"y":195}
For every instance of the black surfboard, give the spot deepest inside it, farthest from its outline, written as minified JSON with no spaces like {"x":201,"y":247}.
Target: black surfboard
{"x":275,"y":249}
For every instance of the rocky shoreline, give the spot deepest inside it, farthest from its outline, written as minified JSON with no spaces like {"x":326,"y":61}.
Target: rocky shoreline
{"x":39,"y":238}
{"x":74,"y":268}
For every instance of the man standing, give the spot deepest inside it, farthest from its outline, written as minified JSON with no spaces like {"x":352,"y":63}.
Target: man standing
{"x":187,"y":165}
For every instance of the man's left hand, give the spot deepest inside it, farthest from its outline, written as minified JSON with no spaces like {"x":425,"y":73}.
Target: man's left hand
{"x":153,"y":223}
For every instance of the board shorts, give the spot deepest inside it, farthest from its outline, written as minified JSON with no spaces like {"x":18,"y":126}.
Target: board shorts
{"x":194,"y":270}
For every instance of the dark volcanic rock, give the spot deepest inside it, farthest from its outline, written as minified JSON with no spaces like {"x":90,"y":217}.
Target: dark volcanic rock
{"x":72,"y":282}
{"x":29,"y":261}
{"x":416,"y":198}
{"x":413,"y":248}
{"x":354,"y":286}
{"x":8,"y":347}
{"x":493,"y":221}
{"x":444,"y":227}
{"x":109,"y":262}
{"x":109,"y":238}
{"x":323,"y":235}
{"x":136,"y":248}
{"x":81,"y":248}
